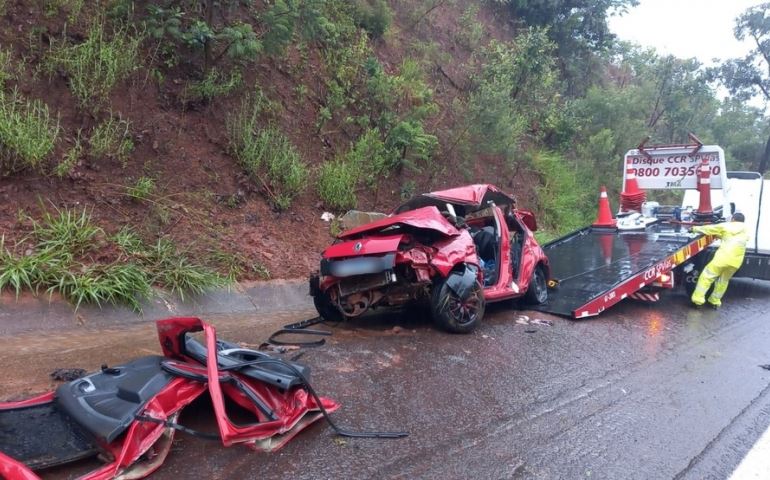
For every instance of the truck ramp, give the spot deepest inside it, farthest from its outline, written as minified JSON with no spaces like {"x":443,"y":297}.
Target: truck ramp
{"x":596,"y":268}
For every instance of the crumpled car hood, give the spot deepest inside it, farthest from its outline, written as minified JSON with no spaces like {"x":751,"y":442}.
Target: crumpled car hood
{"x":428,"y":218}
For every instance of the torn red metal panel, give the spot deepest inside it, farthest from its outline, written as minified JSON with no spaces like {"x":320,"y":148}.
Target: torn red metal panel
{"x":141,"y":445}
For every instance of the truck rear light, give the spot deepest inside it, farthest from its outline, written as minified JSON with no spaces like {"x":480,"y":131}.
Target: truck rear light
{"x":664,"y":280}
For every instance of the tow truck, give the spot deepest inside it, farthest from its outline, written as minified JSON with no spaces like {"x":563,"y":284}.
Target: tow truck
{"x":648,"y":248}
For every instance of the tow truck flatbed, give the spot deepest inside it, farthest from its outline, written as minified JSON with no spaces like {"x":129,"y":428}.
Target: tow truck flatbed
{"x":596,"y":268}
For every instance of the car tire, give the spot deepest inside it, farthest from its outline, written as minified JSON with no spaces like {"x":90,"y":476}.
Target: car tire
{"x":537,"y":291}
{"x":325,"y":308}
{"x":452,"y":314}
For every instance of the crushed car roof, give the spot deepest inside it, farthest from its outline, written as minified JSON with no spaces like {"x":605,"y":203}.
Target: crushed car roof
{"x":476,"y":195}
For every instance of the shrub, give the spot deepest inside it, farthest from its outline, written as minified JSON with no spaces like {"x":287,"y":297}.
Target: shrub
{"x":516,"y":93}
{"x":286,"y":170}
{"x":27,"y":132}
{"x":374,"y":16}
{"x":411,"y":144}
{"x":112,"y":139}
{"x":95,"y":66}
{"x":564,"y":204}
{"x":370,"y":156}
{"x":337,"y":183}
{"x":471,"y":29}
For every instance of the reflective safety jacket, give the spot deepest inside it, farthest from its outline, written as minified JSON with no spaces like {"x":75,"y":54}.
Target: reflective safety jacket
{"x":733,"y":236}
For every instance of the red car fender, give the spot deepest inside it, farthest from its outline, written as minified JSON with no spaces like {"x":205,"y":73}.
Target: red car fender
{"x":450,"y":252}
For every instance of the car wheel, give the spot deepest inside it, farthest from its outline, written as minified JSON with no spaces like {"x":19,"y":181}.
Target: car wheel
{"x":326,"y":309}
{"x":537,"y":292}
{"x":453,"y":314}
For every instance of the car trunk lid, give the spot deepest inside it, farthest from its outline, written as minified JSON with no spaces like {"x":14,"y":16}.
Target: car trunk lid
{"x":376,"y":245}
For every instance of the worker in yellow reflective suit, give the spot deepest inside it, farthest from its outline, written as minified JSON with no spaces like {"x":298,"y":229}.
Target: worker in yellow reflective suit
{"x":727,"y":259}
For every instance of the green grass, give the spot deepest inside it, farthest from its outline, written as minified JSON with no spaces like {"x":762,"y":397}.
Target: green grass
{"x":57,"y":258}
{"x":28,"y":133}
{"x":71,"y":157}
{"x":142,"y":189}
{"x":214,"y":84}
{"x":30,"y":270}
{"x":112,"y":139}
{"x":267,"y":155}
{"x":175,"y":272}
{"x":100,"y":284}
{"x":66,"y":231}
{"x":7,"y":66}
{"x":236,"y":266}
{"x":337,"y":184}
{"x":128,"y":241}
{"x":95,"y":66}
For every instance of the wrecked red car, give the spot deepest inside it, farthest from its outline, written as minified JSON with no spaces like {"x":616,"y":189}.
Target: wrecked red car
{"x":123,"y":418}
{"x":453,"y":250}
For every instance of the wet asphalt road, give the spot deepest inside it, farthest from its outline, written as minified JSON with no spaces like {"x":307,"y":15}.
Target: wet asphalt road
{"x":644,"y":391}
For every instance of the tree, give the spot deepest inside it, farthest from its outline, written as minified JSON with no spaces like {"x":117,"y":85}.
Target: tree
{"x":749,"y":76}
{"x":578,"y":27}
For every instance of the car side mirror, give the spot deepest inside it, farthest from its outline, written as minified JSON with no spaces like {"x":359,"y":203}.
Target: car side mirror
{"x":528,"y":219}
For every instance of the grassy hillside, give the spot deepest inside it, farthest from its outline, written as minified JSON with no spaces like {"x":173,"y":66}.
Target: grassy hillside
{"x":212,"y":135}
{"x":224,"y":134}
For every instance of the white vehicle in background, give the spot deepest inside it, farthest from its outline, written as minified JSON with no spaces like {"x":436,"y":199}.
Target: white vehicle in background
{"x":748,"y":193}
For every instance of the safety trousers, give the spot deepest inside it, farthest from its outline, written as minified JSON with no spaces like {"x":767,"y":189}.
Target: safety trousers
{"x":718,"y":275}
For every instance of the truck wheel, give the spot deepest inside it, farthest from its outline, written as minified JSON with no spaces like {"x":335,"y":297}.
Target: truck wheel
{"x":325,"y":308}
{"x":453,"y":314}
{"x":537,"y":292}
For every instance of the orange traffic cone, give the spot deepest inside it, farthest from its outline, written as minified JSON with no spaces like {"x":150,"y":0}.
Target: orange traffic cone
{"x":632,"y":197}
{"x":604,"y":218}
{"x":704,"y":189}
{"x":631,"y":186}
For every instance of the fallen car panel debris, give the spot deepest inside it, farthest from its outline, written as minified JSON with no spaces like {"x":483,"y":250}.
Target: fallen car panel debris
{"x":127,"y":413}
